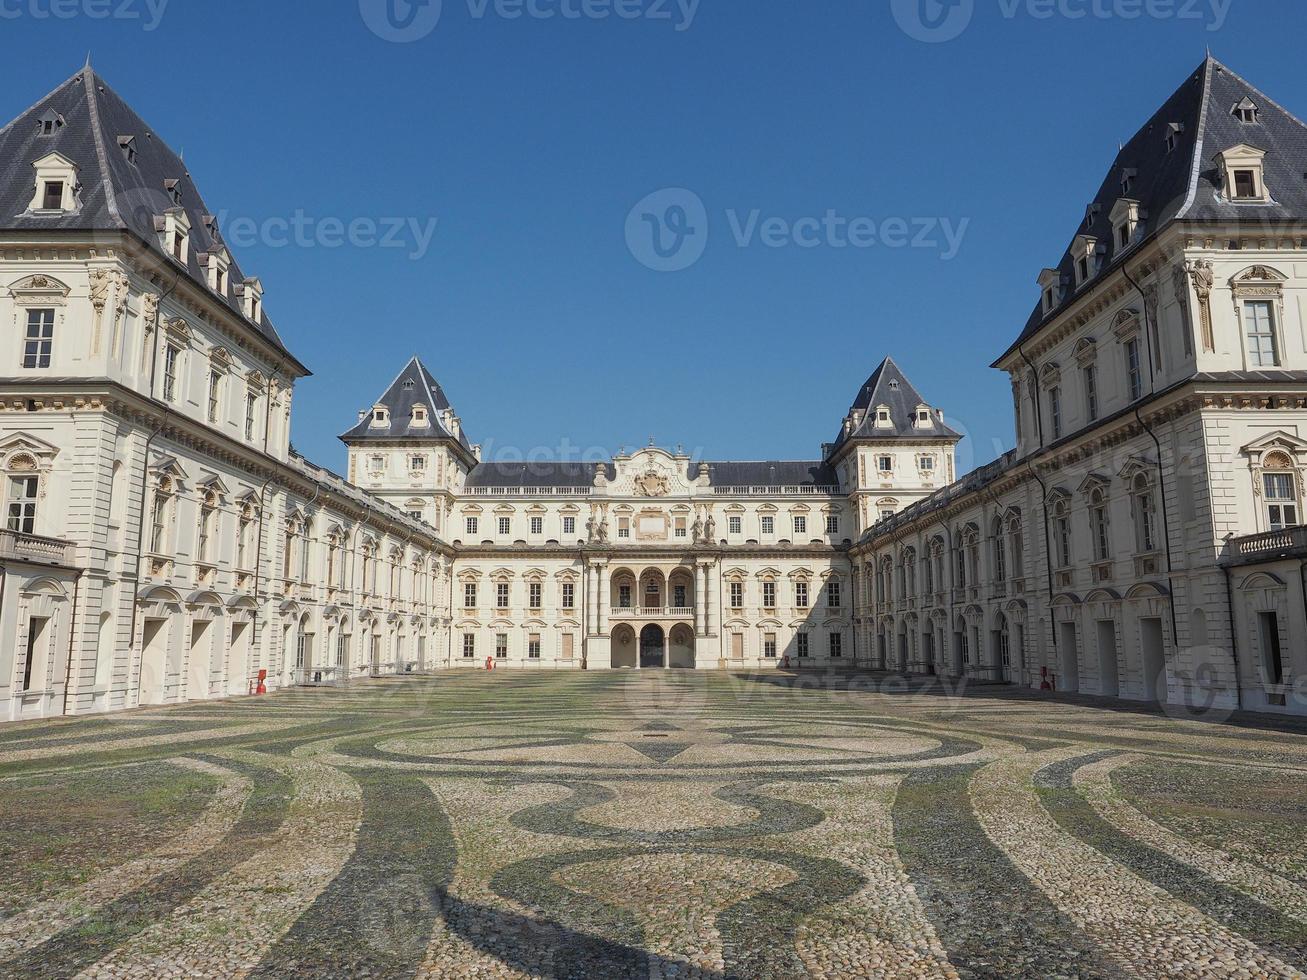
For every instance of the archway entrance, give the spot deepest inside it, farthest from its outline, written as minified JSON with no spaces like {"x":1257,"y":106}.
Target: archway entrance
{"x":653,"y":647}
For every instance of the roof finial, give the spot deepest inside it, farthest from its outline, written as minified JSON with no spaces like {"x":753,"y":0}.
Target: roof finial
{"x":88,"y":60}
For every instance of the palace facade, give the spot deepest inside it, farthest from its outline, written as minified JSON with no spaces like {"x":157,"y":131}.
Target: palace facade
{"x":163,"y":543}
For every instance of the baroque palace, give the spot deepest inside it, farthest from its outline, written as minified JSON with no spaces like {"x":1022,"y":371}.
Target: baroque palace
{"x":163,"y":543}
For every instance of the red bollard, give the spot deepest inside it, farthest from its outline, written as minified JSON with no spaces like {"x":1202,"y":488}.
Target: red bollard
{"x":263,"y":685}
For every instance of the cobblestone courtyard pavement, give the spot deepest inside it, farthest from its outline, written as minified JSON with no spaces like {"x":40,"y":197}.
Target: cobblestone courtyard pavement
{"x":653,"y":826}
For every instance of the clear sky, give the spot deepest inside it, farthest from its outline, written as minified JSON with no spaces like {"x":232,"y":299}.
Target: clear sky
{"x":548,"y":316}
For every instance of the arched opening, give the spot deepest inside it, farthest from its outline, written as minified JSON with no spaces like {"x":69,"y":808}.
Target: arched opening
{"x":1069,"y":657}
{"x":653,"y":647}
{"x":1002,"y":648}
{"x":681,"y":648}
{"x":625,"y":651}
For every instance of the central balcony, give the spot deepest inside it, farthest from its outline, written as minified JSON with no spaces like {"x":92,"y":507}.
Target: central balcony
{"x":652,"y":612}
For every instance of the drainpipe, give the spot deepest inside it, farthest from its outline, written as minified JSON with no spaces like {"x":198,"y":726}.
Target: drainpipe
{"x":1161,"y":471}
{"x":72,"y":634}
{"x":1234,"y":639}
{"x":1043,"y":500}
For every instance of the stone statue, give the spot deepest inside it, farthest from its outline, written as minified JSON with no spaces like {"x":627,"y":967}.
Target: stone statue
{"x":710,"y":530}
{"x":603,"y":531}
{"x":590,"y":530}
{"x":698,"y":530}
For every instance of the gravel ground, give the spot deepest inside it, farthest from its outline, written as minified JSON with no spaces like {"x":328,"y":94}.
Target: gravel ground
{"x":651,"y":826}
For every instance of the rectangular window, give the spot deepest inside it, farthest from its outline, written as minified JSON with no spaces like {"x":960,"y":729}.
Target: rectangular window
{"x":836,"y":645}
{"x":885,"y":464}
{"x":501,"y":646}
{"x":40,"y":339}
{"x":469,"y":595}
{"x":737,"y":646}
{"x":1134,"y":374}
{"x":1245,"y":185}
{"x":1259,"y":325}
{"x":1281,"y":501}
{"x":800,"y":526}
{"x":801,"y":595}
{"x":1091,"y":392}
{"x":769,"y":646}
{"x":171,"y":355}
{"x":769,"y":595}
{"x":533,"y":646}
{"x":534,"y":589}
{"x":471,"y":524}
{"x":159,"y":525}
{"x":737,"y":595}
{"x":624,"y":596}
{"x":832,"y":595}
{"x":251,"y":410}
{"x":680,"y":530}
{"x":566,"y":653}
{"x":501,"y":595}
{"x":801,"y":646}
{"x":1268,"y":629}
{"x":22,"y":504}
{"x":342,"y":650}
{"x":1055,"y":410}
{"x":734,"y":524}
{"x":833,"y":524}
{"x":768,"y":525}
{"x":418,"y":464}
{"x":537,"y":525}
{"x":469,"y":646}
{"x":505,"y":525}
{"x":215,"y":395}
{"x":569,"y":526}
{"x":623,"y":527}
{"x":53,"y":198}
{"x":569,"y":595}
{"x":679,"y":597}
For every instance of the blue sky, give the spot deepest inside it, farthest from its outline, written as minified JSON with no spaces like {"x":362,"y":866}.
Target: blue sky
{"x":529,"y":140}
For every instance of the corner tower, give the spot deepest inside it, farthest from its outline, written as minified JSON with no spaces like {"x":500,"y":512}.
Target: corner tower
{"x":410,"y":449}
{"x":893,"y":449}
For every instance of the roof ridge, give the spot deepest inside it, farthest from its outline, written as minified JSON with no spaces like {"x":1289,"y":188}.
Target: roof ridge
{"x":1196,"y":163}
{"x":97,"y":135}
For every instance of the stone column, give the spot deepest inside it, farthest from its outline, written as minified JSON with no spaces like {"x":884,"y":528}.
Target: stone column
{"x":700,"y":600}
{"x":714,"y":614}
{"x":591,"y":599}
{"x":605,"y":598}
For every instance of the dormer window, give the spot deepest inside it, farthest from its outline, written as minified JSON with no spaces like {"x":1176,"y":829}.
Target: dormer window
{"x":174,"y":227}
{"x":1128,"y":181}
{"x":1084,"y":251}
{"x":380,"y":416}
{"x":174,"y":189}
{"x":49,"y":123}
{"x":923,"y":417}
{"x":894,"y":384}
{"x":1050,"y":285}
{"x":1091,"y":215}
{"x":1244,"y":174}
{"x":1126,"y":217}
{"x":1247,"y":112}
{"x":218,"y":261}
{"x":1173,"y":131}
{"x":408,"y":384}
{"x":56,"y":184}
{"x":420,"y":416}
{"x":251,"y":291}
{"x":128,"y":145}
{"x":882,"y":417}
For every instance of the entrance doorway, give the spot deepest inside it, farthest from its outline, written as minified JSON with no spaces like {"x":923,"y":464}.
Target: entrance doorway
{"x":1069,"y":681}
{"x":653,"y":647}
{"x":1109,"y":682}
{"x":1154,"y":659}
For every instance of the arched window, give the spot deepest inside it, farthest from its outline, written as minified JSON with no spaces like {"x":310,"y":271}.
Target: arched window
{"x":1000,"y":551}
{"x":1141,"y":492}
{"x":959,"y":549}
{"x":1100,"y":522}
{"x":23,"y":489}
{"x":245,"y":537}
{"x":1017,"y":538}
{"x":1280,"y":491}
{"x":909,"y":573}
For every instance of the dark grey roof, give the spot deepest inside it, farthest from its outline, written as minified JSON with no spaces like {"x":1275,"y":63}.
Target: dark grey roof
{"x":1183,"y":184}
{"x":768,"y":473}
{"x":414,"y":385}
{"x":116,"y":195}
{"x":890,"y":387}
{"x":536,"y":474}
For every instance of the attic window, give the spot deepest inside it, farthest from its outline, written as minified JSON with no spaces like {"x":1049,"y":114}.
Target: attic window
{"x":52,"y":197}
{"x":419,"y":415}
{"x":409,"y":384}
{"x":174,"y":189}
{"x":1247,"y":112}
{"x":1244,"y":173}
{"x":1050,"y":299}
{"x":1128,"y":181}
{"x":49,"y":123}
{"x":128,"y":145}
{"x":1173,"y":131}
{"x":1245,"y":185}
{"x":894,"y":385}
{"x":380,"y":416}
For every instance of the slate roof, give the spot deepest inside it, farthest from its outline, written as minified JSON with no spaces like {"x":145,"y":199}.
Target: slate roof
{"x":889,"y":386}
{"x":116,"y":195}
{"x":535,"y":474}
{"x":768,"y":473}
{"x":414,"y":385}
{"x":1184,"y":184}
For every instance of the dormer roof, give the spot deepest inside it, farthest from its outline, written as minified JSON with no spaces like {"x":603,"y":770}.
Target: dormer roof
{"x":116,"y":194}
{"x":413,"y":386}
{"x":1184,"y":184}
{"x":889,"y":387}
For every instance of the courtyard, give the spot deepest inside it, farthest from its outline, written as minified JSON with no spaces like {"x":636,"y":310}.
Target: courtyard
{"x":652,"y":825}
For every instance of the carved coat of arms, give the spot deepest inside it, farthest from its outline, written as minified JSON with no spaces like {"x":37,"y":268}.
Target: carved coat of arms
{"x":652,"y":484}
